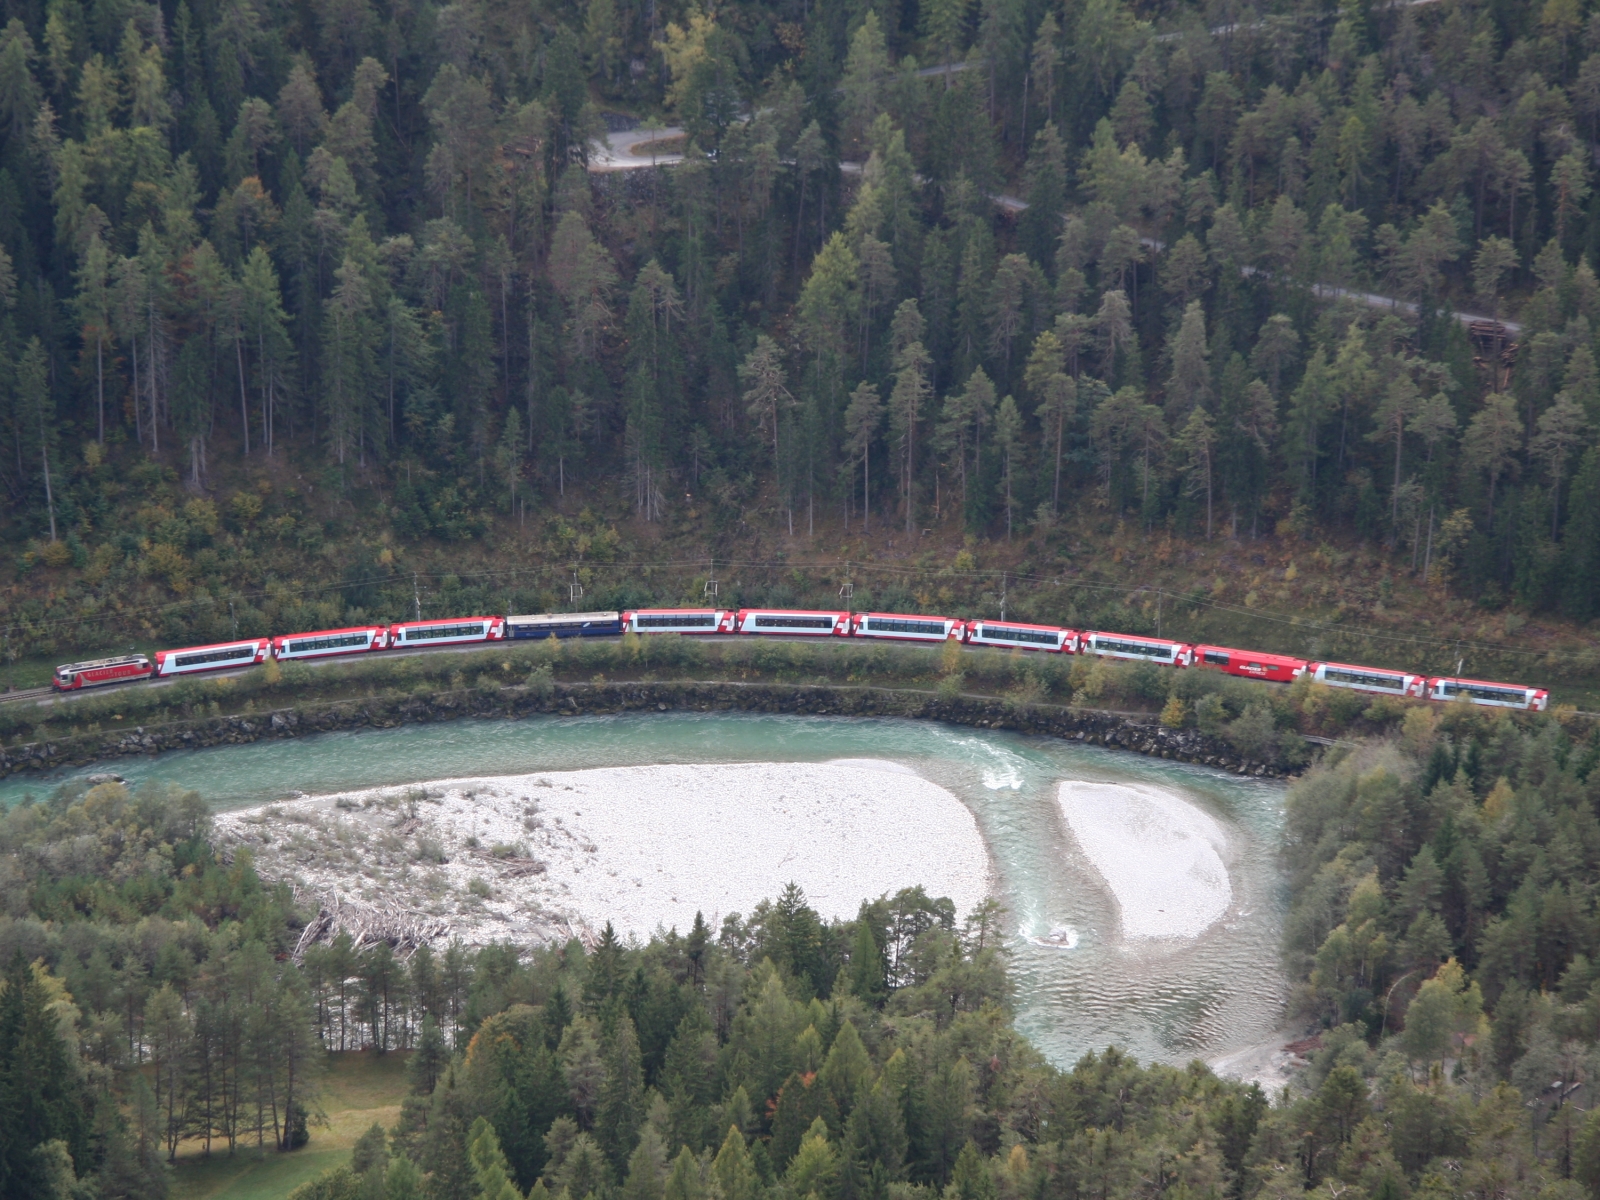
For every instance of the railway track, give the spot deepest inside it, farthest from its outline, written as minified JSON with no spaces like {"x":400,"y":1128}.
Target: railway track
{"x":38,"y":693}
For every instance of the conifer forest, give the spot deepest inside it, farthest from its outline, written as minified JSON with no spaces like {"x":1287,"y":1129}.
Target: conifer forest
{"x":304,"y":301}
{"x":295,"y":296}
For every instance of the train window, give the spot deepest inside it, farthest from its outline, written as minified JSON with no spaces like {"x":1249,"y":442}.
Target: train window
{"x":232,"y":654}
{"x":433,"y":632}
{"x":304,"y":645}
{"x":896,"y":625}
{"x":794,"y":622}
{"x":677,"y":621}
{"x":1480,"y":691}
{"x":1145,"y":648}
{"x":1038,"y":637}
{"x":1389,"y":683}
{"x":1217,"y":658}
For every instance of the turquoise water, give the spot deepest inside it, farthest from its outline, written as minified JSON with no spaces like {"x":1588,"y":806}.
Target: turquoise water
{"x":1218,"y":992}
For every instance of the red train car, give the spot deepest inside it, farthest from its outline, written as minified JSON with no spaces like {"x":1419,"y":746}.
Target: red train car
{"x":97,"y":672}
{"x":679,"y":620}
{"x":218,"y":657}
{"x":446,"y":632}
{"x":792,"y":622}
{"x":1252,"y":664}
{"x":1139,"y":649}
{"x":1494,"y":695}
{"x":1019,"y":635}
{"x":325,"y":642}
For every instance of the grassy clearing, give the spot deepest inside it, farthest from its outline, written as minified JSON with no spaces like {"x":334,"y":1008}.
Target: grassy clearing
{"x":360,"y":1088}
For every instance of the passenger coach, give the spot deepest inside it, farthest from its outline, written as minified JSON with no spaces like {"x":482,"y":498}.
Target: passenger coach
{"x":325,"y":642}
{"x":565,"y":625}
{"x":906,"y":627}
{"x":679,"y":620}
{"x":1368,"y":679}
{"x":1140,"y":649}
{"x":793,"y":622}
{"x":449,"y":631}
{"x":1495,"y":695}
{"x":218,"y":657}
{"x":1020,"y":636}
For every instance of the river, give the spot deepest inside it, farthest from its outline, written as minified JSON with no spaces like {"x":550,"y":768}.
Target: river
{"x":1163,"y":1000}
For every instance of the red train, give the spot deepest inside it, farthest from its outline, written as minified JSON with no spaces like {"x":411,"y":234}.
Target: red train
{"x":793,"y":622}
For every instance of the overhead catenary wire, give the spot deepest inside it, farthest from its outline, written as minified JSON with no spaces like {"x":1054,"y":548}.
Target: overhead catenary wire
{"x":838,"y":566}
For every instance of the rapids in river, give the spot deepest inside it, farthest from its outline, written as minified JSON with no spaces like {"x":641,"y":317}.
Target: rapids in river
{"x":1080,"y":985}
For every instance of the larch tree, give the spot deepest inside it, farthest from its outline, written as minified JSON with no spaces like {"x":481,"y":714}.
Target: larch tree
{"x":1008,"y":429}
{"x":1492,"y":439}
{"x":94,"y":306}
{"x":37,"y":419}
{"x":862,"y":420}
{"x":767,"y":398}
{"x":1559,"y":434}
{"x":1197,"y":441}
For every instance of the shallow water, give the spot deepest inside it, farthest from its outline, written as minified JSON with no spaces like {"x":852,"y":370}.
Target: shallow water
{"x":1171,"y":1001}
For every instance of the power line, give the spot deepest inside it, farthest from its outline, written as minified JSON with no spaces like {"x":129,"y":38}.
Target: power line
{"x":1193,"y":600}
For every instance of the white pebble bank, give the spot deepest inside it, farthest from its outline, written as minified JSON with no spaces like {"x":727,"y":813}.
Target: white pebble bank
{"x":643,"y":847}
{"x":1160,"y":856}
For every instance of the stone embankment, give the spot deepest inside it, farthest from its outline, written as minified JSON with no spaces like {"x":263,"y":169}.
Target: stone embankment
{"x":1140,"y":733}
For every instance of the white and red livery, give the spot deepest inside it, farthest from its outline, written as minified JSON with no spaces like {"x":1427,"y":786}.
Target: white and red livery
{"x":679,"y":620}
{"x":1494,"y":695}
{"x":1139,"y":649}
{"x":792,"y":622}
{"x":324,"y":642}
{"x":906,"y":627}
{"x":218,"y":657}
{"x":1020,"y":636}
{"x":447,"y":631}
{"x":1368,"y":679}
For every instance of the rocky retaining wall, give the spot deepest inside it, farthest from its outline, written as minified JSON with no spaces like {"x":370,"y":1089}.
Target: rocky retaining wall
{"x":1140,"y":733}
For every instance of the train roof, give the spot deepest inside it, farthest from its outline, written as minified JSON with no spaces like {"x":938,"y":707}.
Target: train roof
{"x":1260,"y":654}
{"x":91,"y":663}
{"x":215,"y":645}
{"x":443,"y":620}
{"x":550,"y":618}
{"x":1516,"y":687}
{"x":798,"y":612}
{"x":1136,"y":637}
{"x":1315,"y":663}
{"x":1019,"y":624}
{"x":380,"y":626}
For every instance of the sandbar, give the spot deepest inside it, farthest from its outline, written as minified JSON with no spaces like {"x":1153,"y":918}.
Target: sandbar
{"x":556,"y":854}
{"x":1161,"y":857}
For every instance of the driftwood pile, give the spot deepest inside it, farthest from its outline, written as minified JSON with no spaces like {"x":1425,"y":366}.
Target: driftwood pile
{"x":513,"y":865}
{"x":404,"y":929}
